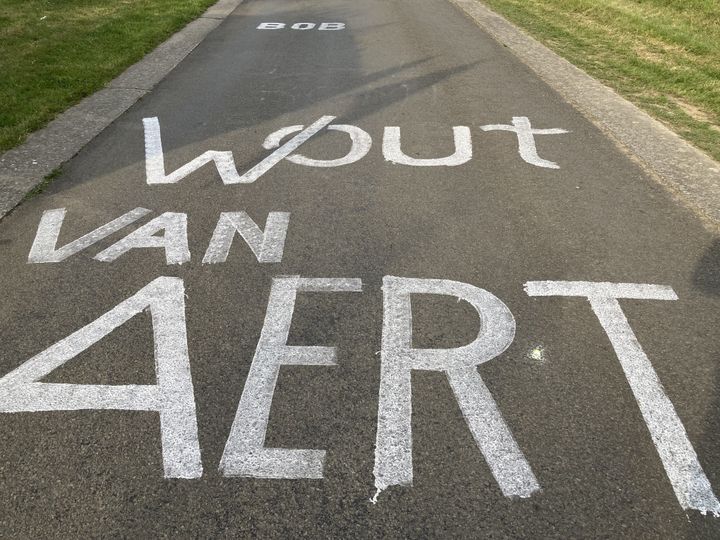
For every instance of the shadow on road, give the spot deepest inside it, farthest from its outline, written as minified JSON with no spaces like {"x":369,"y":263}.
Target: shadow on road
{"x":706,"y":279}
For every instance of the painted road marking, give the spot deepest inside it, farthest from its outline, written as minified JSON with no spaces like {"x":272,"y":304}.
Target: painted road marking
{"x":393,"y":449}
{"x":361,"y":144}
{"x":44,"y":248}
{"x":245,"y":454}
{"x":155,"y":160}
{"x":360,"y":139}
{"x":463,"y":149}
{"x":172,"y":396}
{"x":285,"y":150}
{"x":526,"y":139}
{"x":691,"y":485}
{"x":224,"y":162}
{"x":301,"y":26}
{"x":174,"y":239}
{"x":267,"y":245}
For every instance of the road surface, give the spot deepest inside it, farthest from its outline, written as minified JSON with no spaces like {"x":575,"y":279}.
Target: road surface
{"x":353,"y":270}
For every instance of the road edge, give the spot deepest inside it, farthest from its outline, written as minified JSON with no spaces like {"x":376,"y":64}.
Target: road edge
{"x":691,"y":176}
{"x":26,"y":166}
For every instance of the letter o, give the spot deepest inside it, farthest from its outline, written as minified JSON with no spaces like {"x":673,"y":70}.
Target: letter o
{"x":361,"y":144}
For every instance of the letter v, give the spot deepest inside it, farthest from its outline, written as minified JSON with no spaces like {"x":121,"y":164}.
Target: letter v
{"x":44,"y":247}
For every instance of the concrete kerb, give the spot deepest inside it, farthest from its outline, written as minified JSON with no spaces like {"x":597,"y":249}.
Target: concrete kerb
{"x":24,"y":167}
{"x":688,"y":174}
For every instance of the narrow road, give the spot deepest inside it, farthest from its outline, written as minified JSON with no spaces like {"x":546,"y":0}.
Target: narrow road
{"x":353,"y":270}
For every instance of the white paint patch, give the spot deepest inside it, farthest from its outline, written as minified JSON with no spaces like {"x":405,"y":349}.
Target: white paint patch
{"x":537,"y":354}
{"x":302,"y":26}
{"x":267,"y":246}
{"x":526,"y":139}
{"x":172,"y":396}
{"x":393,"y":451}
{"x":44,"y":246}
{"x":174,"y":240}
{"x":691,"y":485}
{"x":286,"y":149}
{"x":392,"y":149}
{"x":361,"y":144}
{"x":245,"y":454}
{"x":588,"y":289}
{"x":155,"y":160}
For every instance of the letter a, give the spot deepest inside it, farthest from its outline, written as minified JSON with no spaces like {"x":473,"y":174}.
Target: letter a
{"x":172,"y":396}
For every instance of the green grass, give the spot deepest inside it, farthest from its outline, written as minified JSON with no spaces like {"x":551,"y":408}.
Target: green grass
{"x":663,"y":55}
{"x":55,"y":52}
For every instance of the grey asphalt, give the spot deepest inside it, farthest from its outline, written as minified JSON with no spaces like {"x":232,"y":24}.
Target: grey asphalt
{"x":495,"y":222}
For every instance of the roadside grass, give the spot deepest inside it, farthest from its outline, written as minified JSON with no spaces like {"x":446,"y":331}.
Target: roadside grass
{"x":663,"y":55}
{"x":55,"y":52}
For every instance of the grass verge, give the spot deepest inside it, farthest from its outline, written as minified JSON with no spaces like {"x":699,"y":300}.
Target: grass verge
{"x":55,"y":52}
{"x":663,"y":55}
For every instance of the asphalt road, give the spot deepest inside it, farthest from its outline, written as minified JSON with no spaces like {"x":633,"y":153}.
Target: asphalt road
{"x":563,"y":405}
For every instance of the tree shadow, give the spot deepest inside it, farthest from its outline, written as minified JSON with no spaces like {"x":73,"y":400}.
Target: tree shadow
{"x":706,"y":279}
{"x":240,"y":78}
{"x":706,"y":276}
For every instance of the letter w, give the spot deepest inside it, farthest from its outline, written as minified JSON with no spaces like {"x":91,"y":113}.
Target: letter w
{"x":155,"y":160}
